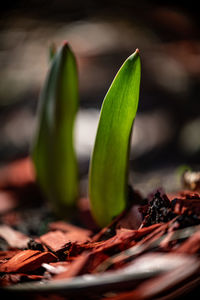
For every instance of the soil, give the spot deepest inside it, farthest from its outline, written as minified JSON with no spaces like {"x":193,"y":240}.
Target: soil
{"x":37,"y":246}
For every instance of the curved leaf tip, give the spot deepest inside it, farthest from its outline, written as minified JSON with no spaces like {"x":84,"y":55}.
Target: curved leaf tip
{"x":108,"y":173}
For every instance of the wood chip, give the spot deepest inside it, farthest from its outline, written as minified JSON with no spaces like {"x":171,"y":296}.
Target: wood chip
{"x":76,"y":268}
{"x":14,"y":238}
{"x":69,"y":228}
{"x":54,"y":240}
{"x":58,"y":241}
{"x":27,"y":261}
{"x":5,"y":255}
{"x":191,"y":245}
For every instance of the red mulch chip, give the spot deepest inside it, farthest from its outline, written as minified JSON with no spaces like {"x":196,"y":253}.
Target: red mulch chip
{"x":27,"y":261}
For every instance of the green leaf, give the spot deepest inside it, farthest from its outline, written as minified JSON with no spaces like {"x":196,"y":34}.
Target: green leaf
{"x":108,"y":174}
{"x":53,"y":149}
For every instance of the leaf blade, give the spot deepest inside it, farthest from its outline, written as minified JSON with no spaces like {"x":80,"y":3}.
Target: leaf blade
{"x":109,"y":163}
{"x":53,"y":149}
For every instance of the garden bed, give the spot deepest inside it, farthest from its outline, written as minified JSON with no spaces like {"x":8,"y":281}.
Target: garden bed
{"x":150,"y":251}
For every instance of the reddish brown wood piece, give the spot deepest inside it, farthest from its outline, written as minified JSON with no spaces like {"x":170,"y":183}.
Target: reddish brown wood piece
{"x":55,"y":240}
{"x":191,"y":245}
{"x":5,"y":255}
{"x":27,"y":261}
{"x":58,"y":241}
{"x":69,"y":228}
{"x":14,"y":238}
{"x":76,"y":268}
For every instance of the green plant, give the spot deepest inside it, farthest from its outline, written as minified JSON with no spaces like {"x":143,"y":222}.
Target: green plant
{"x":109,"y":162}
{"x":53,"y":148}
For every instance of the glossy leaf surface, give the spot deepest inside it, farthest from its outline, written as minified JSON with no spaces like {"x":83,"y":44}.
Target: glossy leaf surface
{"x":109,"y":163}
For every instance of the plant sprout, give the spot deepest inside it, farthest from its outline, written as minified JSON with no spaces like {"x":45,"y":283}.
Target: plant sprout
{"x":53,"y":149}
{"x":108,"y":173}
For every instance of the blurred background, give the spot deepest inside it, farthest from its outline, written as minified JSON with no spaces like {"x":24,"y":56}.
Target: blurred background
{"x":103,"y":34}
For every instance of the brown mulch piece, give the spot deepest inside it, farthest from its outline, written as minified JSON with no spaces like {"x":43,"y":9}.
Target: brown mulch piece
{"x":191,"y":245}
{"x":76,"y":268}
{"x":17,"y":173}
{"x":5,"y":255}
{"x":26,"y":261}
{"x":14,"y":238}
{"x":69,"y":228}
{"x":58,"y":241}
{"x":66,"y":251}
{"x":55,"y":241}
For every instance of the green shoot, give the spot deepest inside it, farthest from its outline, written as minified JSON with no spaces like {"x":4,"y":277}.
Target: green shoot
{"x":108,"y":174}
{"x":53,"y":149}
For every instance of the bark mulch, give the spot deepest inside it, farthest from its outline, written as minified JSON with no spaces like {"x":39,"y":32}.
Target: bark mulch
{"x":163,"y":230}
